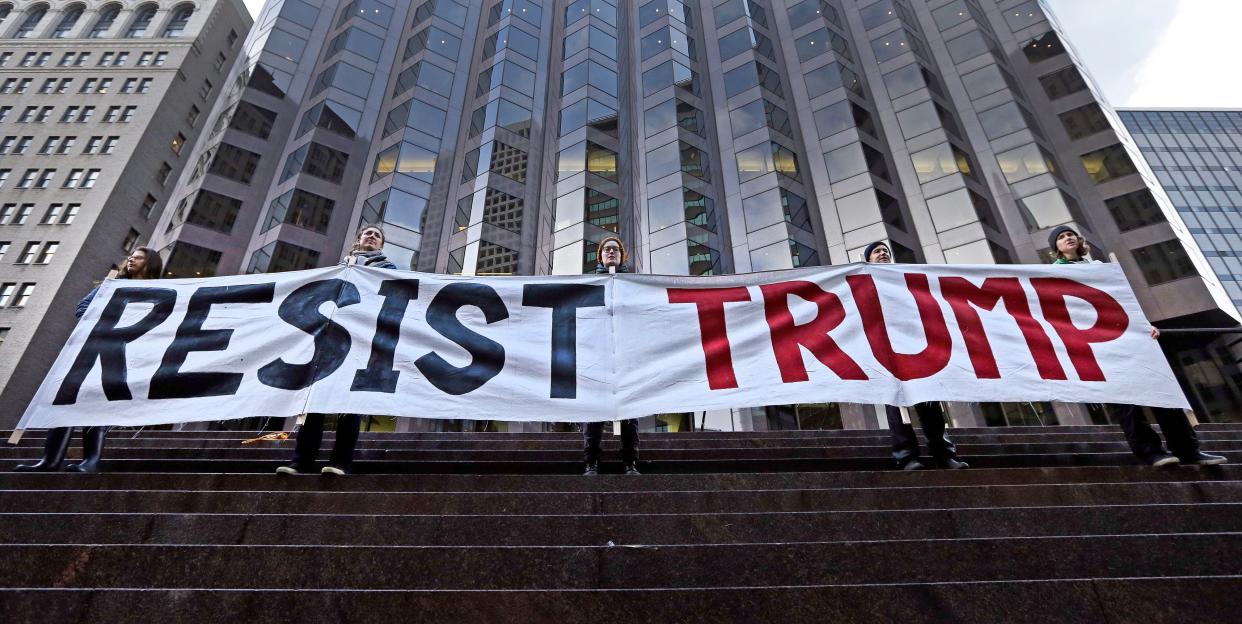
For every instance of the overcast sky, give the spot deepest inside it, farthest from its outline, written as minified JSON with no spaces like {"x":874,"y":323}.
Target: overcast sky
{"x":1149,"y":53}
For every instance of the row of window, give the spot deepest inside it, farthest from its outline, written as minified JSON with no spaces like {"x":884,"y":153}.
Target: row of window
{"x":58,"y":145}
{"x":149,"y":58}
{"x":56,"y":214}
{"x":34,"y":252}
{"x":42,"y":179}
{"x":98,"y":86}
{"x":13,"y":295}
{"x":72,"y":114}
{"x":32,"y":18}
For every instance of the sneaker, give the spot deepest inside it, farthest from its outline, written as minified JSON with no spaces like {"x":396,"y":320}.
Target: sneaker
{"x":1204,"y":459}
{"x":289,"y":470}
{"x":952,"y":463}
{"x":592,"y":469}
{"x":913,"y":464}
{"x":631,"y":469}
{"x":1164,"y":460}
{"x":333,"y":470}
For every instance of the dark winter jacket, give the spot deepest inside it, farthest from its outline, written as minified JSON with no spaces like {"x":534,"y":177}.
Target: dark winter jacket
{"x":375,"y":259}
{"x":622,"y":268}
{"x":86,"y":302}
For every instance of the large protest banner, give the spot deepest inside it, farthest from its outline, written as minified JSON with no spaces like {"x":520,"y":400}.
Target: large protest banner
{"x":600,"y":347}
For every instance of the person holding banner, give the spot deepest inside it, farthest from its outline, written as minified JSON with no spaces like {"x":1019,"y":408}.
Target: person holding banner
{"x":612,"y":259}
{"x":931,"y":415}
{"x":143,"y":263}
{"x":368,"y":251}
{"x":1069,"y":247}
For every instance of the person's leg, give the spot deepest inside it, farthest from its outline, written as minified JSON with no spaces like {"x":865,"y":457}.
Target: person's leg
{"x":592,"y":433}
{"x":629,"y":445}
{"x":943,"y":451}
{"x":92,"y":450}
{"x":347,"y":426}
{"x":905,"y":445}
{"x":54,"y":448}
{"x":306,"y":448}
{"x":1143,"y":440}
{"x":1182,"y":439}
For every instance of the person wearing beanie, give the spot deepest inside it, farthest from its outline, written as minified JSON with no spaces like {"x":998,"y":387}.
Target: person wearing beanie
{"x":931,"y":415}
{"x":612,"y":259}
{"x":1069,"y":247}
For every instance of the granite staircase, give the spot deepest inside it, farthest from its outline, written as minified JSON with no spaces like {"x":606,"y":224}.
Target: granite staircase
{"x":1051,"y":524}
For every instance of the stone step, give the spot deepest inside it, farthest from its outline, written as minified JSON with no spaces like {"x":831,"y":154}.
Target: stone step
{"x":618,"y":502}
{"x":1207,"y":600}
{"x":717,"y":435}
{"x":621,"y":529}
{"x":116,"y":442}
{"x":573,"y":454}
{"x":539,"y":464}
{"x":609,"y":483}
{"x":617,"y":567}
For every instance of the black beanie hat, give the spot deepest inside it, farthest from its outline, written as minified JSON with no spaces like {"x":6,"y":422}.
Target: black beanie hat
{"x":866,"y":255}
{"x":1056,"y":233}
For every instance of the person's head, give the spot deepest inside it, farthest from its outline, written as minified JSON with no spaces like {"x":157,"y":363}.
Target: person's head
{"x":1067,"y":243}
{"x":370,"y":238}
{"x":611,"y":252}
{"x":877,"y":253}
{"x":142,"y":263}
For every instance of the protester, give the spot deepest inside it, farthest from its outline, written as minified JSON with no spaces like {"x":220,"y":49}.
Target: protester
{"x":1069,"y":247}
{"x":611,"y":255}
{"x":367,"y":251}
{"x":143,"y":263}
{"x":931,"y":415}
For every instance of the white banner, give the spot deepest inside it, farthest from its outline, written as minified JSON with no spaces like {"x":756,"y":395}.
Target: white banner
{"x":590,"y":348}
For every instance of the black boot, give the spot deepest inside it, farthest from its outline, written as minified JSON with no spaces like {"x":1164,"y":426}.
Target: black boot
{"x":53,"y":451}
{"x":92,"y":450}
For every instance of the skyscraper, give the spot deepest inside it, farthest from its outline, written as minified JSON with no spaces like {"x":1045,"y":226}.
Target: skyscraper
{"x":97,"y":107}
{"x":510,"y":136}
{"x":1197,"y":157}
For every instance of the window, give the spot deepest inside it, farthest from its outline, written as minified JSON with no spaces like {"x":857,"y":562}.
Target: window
{"x":92,"y":145}
{"x":130,"y":241}
{"x":191,"y":117}
{"x":765,"y":158}
{"x":28,"y":253}
{"x":148,"y":205}
{"x":1085,"y":121}
{"x":893,"y":44}
{"x":71,"y":213}
{"x":161,"y":176}
{"x":24,"y":292}
{"x":180,"y":19}
{"x":253,"y":120}
{"x":6,"y":293}
{"x":830,"y":77}
{"x":112,"y":115}
{"x":127,"y":114}
{"x":212,"y":211}
{"x":121,"y":57}
{"x":1164,"y":262}
{"x":1108,"y":163}
{"x":1135,"y":210}
{"x":177,"y":143}
{"x":74,"y":177}
{"x":1049,"y":208}
{"x":951,"y":14}
{"x":1043,"y":47}
{"x":129,"y":85}
{"x":937,"y":162}
{"x":1062,"y":83}
{"x":28,"y":179}
{"x":4,"y":176}
{"x":186,"y":260}
{"x":48,"y":251}
{"x":968,"y":46}
{"x":103,"y":23}
{"x":144,"y":85}
{"x":105,"y":58}
{"x":23,"y":214}
{"x":1004,"y":119}
{"x":33,"y":17}
{"x":4,"y":248}
{"x":1025,"y":162}
{"x":234,"y":163}
{"x":329,"y":115}
{"x":142,"y":21}
{"x":281,"y":256}
{"x":160,"y":59}
{"x":305,"y":210}
{"x":92,"y":175}
{"x":317,"y":160}
{"x":45,"y":178}
{"x":205,"y":90}
{"x":1024,"y":15}
{"x":52,"y":215}
{"x":144,"y":59}
{"x":66,"y":144}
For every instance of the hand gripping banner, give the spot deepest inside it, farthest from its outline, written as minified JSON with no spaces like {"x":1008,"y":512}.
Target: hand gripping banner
{"x":351,"y":339}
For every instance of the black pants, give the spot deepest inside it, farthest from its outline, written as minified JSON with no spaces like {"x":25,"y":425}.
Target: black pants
{"x":311,"y":436}
{"x":592,"y":434}
{"x":906,"y":445}
{"x":1145,"y":442}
